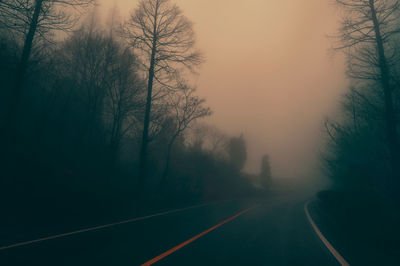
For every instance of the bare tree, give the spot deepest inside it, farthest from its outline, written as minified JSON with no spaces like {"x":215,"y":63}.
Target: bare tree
{"x":185,"y":108}
{"x":86,"y":54}
{"x":165,"y":38}
{"x":124,"y":94}
{"x":367,"y":34}
{"x":29,"y":18}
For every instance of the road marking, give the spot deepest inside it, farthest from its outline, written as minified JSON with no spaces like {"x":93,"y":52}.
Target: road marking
{"x":334,"y":252}
{"x":101,"y":227}
{"x":187,"y":242}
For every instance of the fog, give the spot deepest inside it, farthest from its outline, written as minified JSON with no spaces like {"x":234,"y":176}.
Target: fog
{"x":210,"y":132}
{"x":270,"y":74}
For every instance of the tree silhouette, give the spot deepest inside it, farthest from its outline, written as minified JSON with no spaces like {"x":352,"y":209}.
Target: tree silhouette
{"x":368,"y":32}
{"x":165,"y":39}
{"x":186,"y":108}
{"x":29,"y":18}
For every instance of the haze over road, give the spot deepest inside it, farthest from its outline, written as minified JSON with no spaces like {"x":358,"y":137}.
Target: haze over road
{"x":269,"y":73}
{"x":274,"y":231}
{"x":199,"y":132}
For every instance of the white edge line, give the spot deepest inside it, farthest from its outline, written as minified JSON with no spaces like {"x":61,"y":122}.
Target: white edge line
{"x":334,"y":252}
{"x":101,"y":227}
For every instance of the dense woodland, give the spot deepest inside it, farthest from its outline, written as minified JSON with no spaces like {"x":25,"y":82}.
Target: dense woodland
{"x":363,"y":144}
{"x":99,"y":116}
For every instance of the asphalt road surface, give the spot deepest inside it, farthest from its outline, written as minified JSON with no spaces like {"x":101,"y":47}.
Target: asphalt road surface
{"x":270,"y":231}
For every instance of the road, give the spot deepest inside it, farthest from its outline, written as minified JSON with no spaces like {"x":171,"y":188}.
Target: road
{"x":269,"y":231}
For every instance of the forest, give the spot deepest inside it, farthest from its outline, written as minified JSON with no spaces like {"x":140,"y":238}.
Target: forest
{"x":199,"y":132}
{"x":99,"y":118}
{"x":362,"y":144}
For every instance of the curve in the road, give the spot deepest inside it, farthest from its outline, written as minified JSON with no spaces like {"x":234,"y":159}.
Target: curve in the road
{"x":331,"y":249}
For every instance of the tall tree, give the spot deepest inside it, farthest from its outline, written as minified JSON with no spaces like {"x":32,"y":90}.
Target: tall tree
{"x":86,"y":53}
{"x":368,"y":31}
{"x":29,"y":18}
{"x":124,"y":94}
{"x":165,"y":37}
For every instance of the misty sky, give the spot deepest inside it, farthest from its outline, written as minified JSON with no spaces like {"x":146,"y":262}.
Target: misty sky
{"x":269,"y":73}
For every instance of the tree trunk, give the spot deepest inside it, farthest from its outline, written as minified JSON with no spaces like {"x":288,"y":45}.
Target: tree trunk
{"x":21,"y":72}
{"x":388,"y":98}
{"x":146,"y":123}
{"x":145,"y":135}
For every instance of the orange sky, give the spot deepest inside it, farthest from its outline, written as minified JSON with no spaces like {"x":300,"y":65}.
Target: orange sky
{"x":269,"y":73}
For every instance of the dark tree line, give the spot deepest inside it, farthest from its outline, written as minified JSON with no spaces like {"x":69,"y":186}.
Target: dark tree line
{"x":92,"y":115}
{"x":30,"y":19}
{"x":363,"y":145}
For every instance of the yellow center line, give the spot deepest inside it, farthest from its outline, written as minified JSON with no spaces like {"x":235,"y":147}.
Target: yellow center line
{"x":187,"y":242}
